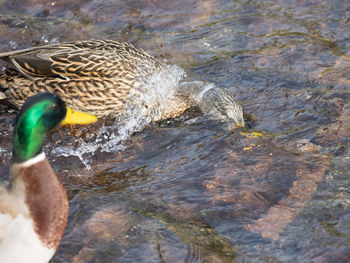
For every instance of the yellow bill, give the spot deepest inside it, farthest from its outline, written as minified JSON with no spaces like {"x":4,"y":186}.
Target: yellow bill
{"x":240,"y":124}
{"x":251,"y":134}
{"x":76,"y":117}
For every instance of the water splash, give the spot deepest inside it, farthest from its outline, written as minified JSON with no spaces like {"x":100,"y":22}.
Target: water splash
{"x":140,"y":109}
{"x":146,"y":103}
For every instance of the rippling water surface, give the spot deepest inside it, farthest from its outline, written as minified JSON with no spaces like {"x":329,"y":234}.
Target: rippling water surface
{"x":189,"y":190}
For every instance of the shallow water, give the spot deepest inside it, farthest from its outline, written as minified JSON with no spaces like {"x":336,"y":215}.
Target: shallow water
{"x":189,"y":190}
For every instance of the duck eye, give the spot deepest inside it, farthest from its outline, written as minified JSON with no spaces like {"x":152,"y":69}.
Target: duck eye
{"x":54,"y":107}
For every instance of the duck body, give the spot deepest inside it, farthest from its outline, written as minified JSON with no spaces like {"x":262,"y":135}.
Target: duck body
{"x":33,"y":213}
{"x":91,"y":76}
{"x":34,"y":204}
{"x":99,"y":77}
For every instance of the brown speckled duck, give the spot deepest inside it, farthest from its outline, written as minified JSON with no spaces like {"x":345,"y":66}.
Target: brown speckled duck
{"x":96,"y":77}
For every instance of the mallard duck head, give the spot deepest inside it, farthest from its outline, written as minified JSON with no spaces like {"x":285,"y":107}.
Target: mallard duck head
{"x":234,"y":112}
{"x":39,"y":115}
{"x":220,"y":104}
{"x":214,"y":101}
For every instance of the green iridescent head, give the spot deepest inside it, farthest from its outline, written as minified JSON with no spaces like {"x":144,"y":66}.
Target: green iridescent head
{"x":39,"y":114}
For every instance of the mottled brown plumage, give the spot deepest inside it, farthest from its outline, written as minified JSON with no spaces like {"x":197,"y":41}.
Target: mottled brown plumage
{"x":94,"y":76}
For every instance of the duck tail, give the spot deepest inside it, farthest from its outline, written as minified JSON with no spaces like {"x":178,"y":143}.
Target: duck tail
{"x":3,"y":85}
{"x":2,"y":95}
{"x":7,"y":81}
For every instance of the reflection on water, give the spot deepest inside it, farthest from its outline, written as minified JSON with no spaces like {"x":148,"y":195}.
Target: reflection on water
{"x":189,"y":190}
